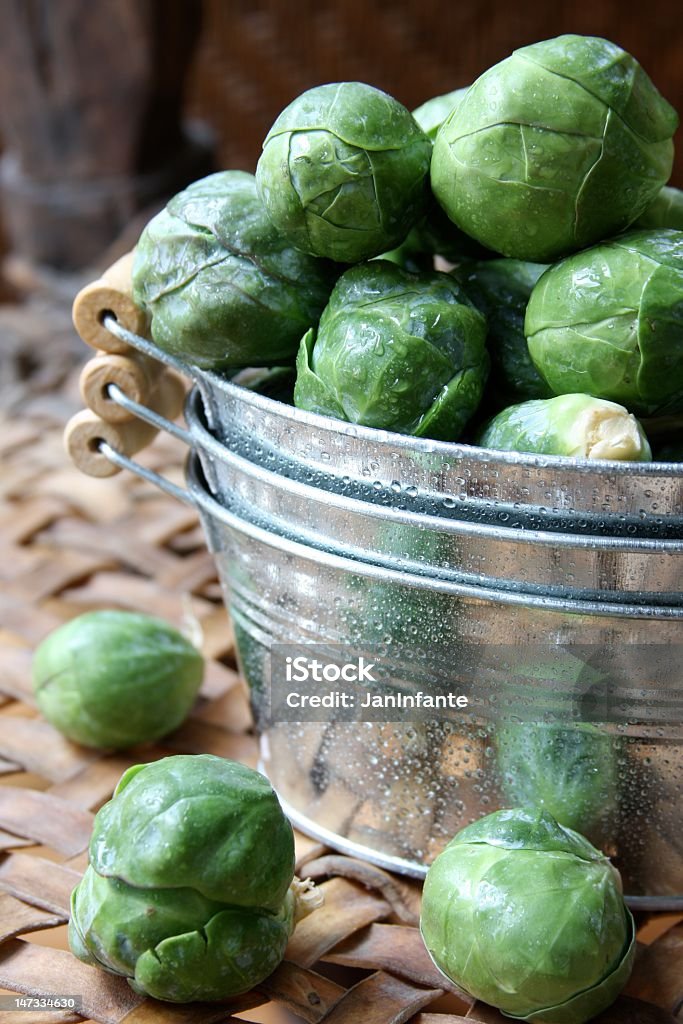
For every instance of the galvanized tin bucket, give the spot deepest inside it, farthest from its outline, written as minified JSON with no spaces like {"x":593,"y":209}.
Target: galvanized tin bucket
{"x":632,"y":570}
{"x":450,"y":481}
{"x":395,"y":792}
{"x":447,"y":480}
{"x":303,"y":564}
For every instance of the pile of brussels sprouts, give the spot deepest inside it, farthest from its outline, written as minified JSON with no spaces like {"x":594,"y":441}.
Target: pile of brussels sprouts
{"x":557,"y":315}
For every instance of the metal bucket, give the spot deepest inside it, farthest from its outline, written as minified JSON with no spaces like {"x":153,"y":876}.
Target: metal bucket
{"x":453,"y":481}
{"x":448,"y":480}
{"x":631,"y":570}
{"x":394,"y":792}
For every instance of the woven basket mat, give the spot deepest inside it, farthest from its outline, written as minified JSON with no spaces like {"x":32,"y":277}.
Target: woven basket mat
{"x":69,"y":544}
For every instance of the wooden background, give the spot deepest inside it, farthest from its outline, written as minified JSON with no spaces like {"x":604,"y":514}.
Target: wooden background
{"x":254,"y":56}
{"x":93,"y":96}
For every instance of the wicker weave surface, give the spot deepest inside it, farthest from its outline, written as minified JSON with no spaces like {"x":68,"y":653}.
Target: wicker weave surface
{"x":70,"y":544}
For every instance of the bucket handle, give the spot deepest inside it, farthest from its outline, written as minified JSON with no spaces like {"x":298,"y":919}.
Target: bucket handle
{"x":122,"y":461}
{"x":159,"y":422}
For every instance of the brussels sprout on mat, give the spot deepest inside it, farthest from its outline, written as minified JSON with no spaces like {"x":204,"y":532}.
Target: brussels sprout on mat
{"x":573,"y":425}
{"x":223,"y":287}
{"x":565,"y":142}
{"x":609,"y":322}
{"x":526,"y":915}
{"x":116,"y":678}
{"x":432,"y":114}
{"x":395,"y":350}
{"x":665,"y":211}
{"x":190,"y":893}
{"x":344,"y":172}
{"x":501,"y":290}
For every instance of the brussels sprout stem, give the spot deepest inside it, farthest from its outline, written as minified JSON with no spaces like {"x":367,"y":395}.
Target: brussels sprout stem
{"x":604,"y":433}
{"x":307,"y":898}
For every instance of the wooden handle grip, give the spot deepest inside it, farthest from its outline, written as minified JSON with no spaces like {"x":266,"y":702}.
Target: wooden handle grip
{"x":86,"y":429}
{"x":111,"y":293}
{"x":136,"y":375}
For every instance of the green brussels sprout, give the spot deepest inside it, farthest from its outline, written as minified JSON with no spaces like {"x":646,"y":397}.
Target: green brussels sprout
{"x":565,"y":142}
{"x":395,"y":350}
{"x":568,"y":770}
{"x":223,"y":287}
{"x":432,"y":114}
{"x":573,"y":425}
{"x":501,"y":289}
{"x":344,"y":171}
{"x":526,"y":915}
{"x":171,"y":943}
{"x":189,"y":893}
{"x":609,"y":322}
{"x":665,"y":211}
{"x":116,"y":678}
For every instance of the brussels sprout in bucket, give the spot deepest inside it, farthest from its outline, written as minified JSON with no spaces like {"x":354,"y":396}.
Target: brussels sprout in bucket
{"x":344,"y":171}
{"x":222,"y":285}
{"x":399,"y":351}
{"x":565,"y":142}
{"x":572,"y":425}
{"x":609,"y":322}
{"x":526,"y":915}
{"x":501,"y":290}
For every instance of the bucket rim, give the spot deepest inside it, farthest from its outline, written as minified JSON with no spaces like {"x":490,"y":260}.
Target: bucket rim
{"x":377,"y":436}
{"x":418,"y":520}
{"x":213,"y":510}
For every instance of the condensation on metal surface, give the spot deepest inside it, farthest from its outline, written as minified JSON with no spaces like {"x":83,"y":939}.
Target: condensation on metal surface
{"x":402,"y":790}
{"x":443,"y":479}
{"x":326,"y":533}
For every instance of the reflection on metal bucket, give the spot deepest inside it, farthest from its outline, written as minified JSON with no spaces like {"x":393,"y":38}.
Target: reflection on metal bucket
{"x":396,"y":792}
{"x":329,"y":534}
{"x":640,"y":570}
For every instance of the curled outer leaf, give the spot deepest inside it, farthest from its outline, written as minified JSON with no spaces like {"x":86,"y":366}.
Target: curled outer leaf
{"x":431,"y":114}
